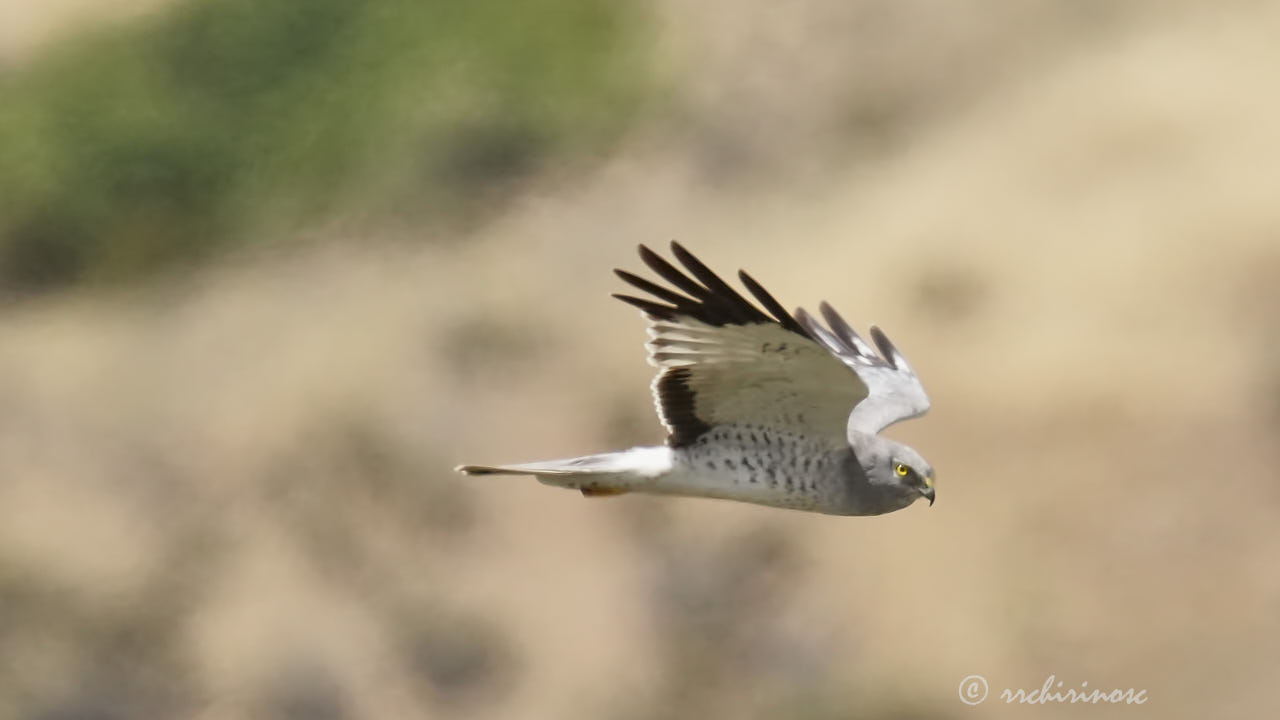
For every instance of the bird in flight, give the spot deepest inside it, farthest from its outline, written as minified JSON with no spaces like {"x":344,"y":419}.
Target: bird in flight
{"x":761,"y":406}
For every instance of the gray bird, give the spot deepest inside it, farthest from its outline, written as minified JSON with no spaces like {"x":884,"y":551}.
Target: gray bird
{"x":768,"y":408}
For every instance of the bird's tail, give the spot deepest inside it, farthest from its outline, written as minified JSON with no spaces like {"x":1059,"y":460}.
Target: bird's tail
{"x":604,"y":474}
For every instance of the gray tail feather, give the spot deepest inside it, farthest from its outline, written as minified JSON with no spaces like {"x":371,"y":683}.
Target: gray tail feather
{"x":488,"y":470}
{"x":638,"y":461}
{"x":587,"y":465}
{"x":595,"y":475}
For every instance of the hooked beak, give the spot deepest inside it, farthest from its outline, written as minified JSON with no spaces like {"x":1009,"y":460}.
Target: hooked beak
{"x":927,"y":490}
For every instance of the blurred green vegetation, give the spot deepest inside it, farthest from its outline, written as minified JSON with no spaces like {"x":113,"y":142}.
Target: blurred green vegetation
{"x":218,"y":124}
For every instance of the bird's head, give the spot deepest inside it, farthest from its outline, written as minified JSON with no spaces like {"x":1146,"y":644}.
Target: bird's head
{"x":897,"y":468}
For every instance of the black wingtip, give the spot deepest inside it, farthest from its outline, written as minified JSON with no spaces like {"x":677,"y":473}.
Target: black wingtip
{"x":885,"y":347}
{"x":842,"y":328}
{"x":697,"y":292}
{"x":721,"y":294}
{"x":771,"y":304}
{"x":650,"y":258}
{"x":648,"y":307}
{"x":673,"y":275}
{"x":677,"y":300}
{"x":648,"y":255}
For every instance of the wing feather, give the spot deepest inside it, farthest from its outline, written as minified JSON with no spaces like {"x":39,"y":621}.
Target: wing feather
{"x":742,"y":310}
{"x":773,"y":306}
{"x":853,"y":341}
{"x":723,"y":360}
{"x":895,"y":393}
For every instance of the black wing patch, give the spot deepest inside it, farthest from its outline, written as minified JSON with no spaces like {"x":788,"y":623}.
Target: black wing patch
{"x":677,"y":401}
{"x":705,"y":298}
{"x":711,"y":301}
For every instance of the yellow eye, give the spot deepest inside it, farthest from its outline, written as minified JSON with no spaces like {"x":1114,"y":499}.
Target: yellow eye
{"x":901,"y":470}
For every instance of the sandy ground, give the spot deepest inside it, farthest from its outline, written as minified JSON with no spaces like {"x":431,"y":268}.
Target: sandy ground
{"x":230,"y":496}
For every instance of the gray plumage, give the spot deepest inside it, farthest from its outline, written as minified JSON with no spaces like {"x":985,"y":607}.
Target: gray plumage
{"x":761,"y":406}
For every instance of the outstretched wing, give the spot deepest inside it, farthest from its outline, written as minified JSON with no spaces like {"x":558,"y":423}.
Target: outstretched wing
{"x":894,"y":392}
{"x":725,"y":361}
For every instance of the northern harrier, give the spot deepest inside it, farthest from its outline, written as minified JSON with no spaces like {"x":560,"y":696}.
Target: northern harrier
{"x":762,"y":407}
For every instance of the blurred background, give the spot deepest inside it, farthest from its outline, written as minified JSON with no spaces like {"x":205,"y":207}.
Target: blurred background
{"x":269,"y":270}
